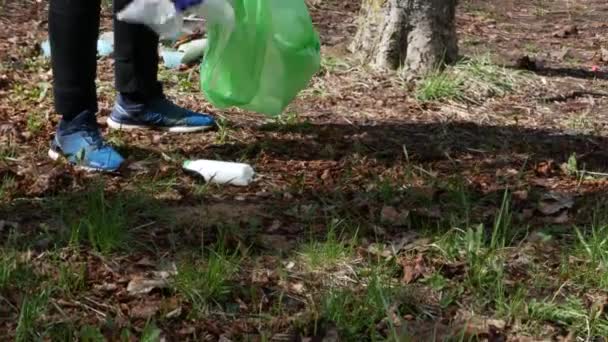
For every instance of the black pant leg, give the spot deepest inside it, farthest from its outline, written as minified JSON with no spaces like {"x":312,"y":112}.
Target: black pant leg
{"x":73,"y":32}
{"x":136,"y":56}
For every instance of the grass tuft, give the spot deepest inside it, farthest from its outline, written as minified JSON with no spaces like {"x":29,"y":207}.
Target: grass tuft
{"x":439,"y":85}
{"x":327,"y":254}
{"x":204,"y":283}
{"x":471,"y":80}
{"x":90,"y":333}
{"x":482,"y":78}
{"x":357,"y":313}
{"x":35,"y":122}
{"x":15,"y":273}
{"x":571,"y":314}
{"x":71,"y":278}
{"x":102,"y":223}
{"x":31,"y":309}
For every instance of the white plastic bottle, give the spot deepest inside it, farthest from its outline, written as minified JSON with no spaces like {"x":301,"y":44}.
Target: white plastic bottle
{"x":221,"y":172}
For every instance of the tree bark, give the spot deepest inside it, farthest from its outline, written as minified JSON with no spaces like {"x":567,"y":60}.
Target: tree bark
{"x":414,"y":35}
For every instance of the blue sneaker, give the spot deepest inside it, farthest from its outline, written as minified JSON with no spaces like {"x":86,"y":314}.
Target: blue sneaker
{"x":157,"y":114}
{"x":80,"y":142}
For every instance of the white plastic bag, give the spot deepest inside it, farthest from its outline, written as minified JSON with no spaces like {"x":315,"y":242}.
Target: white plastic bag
{"x":159,"y":15}
{"x":162,"y":17}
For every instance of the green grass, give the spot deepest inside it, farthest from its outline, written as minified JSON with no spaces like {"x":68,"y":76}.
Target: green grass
{"x":571,"y":314}
{"x":90,"y":333}
{"x":439,"y":85}
{"x":541,"y":8}
{"x":186,"y":83}
{"x":150,"y":334}
{"x":592,"y":247}
{"x":290,"y":122}
{"x":8,"y":151}
{"x":208,"y":282}
{"x":71,"y":278}
{"x":330,"y":252}
{"x":28,"y":93}
{"x":72,"y":331}
{"x":35,"y":122}
{"x":16,"y":273}
{"x":531,"y":48}
{"x":61,"y":331}
{"x":32,"y":308}
{"x":470,"y":80}
{"x":101,"y":223}
{"x":356,"y":312}
{"x":486,"y":78}
{"x":223,"y":131}
{"x":116,"y":138}
{"x":483,"y":252}
{"x":8,"y":269}
{"x":7,"y":182}
{"x":333,"y":64}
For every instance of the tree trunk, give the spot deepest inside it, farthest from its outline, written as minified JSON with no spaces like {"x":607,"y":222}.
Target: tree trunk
{"x":415,"y":35}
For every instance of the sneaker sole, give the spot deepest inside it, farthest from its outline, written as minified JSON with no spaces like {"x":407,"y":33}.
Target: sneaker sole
{"x":178,"y":129}
{"x":54,"y":155}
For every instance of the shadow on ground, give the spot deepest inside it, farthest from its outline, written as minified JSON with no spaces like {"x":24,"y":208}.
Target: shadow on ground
{"x":452,"y":150}
{"x":424,"y":143}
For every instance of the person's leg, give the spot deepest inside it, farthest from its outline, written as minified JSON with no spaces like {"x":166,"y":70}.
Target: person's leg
{"x":140,"y":102}
{"x":136,"y":59}
{"x":73,"y":31}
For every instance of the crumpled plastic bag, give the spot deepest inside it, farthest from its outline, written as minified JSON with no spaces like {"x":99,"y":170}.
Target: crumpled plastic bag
{"x":163,"y":18}
{"x":261,"y":64}
{"x":260,"y":53}
{"x":159,"y":15}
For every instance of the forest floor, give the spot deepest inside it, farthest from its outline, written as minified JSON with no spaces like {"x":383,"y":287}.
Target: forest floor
{"x":468,"y":206}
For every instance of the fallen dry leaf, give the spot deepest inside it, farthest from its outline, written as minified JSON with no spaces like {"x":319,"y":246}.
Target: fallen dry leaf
{"x":295,"y":287}
{"x":139,"y":286}
{"x":562,"y":54}
{"x":175,"y":313}
{"x":566,"y":31}
{"x":562,"y":218}
{"x":545,"y":168}
{"x":604,"y":55}
{"x":187,"y":331}
{"x":223,"y":338}
{"x":106,"y":287}
{"x":554,"y":202}
{"x":391,"y":215}
{"x":145,"y":262}
{"x":482,"y":326}
{"x":521,"y":195}
{"x":144,"y":310}
{"x":379,"y":250}
{"x":261,"y":276}
{"x":413,"y":269}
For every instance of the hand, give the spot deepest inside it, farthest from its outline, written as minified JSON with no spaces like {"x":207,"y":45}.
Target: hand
{"x":182,"y":5}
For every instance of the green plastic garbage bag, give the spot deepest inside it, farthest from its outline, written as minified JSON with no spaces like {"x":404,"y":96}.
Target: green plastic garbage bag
{"x":263,"y":61}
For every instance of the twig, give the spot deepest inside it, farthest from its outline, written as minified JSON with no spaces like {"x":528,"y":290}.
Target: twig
{"x":559,"y":290}
{"x":60,"y":309}
{"x":9,"y":303}
{"x":106,"y":306}
{"x":145,"y":225}
{"x":407,"y":155}
{"x":573,"y":95}
{"x":592,"y":173}
{"x":103,"y":315}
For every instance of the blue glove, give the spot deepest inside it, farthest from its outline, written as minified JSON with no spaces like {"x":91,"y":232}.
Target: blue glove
{"x":182,"y":5}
